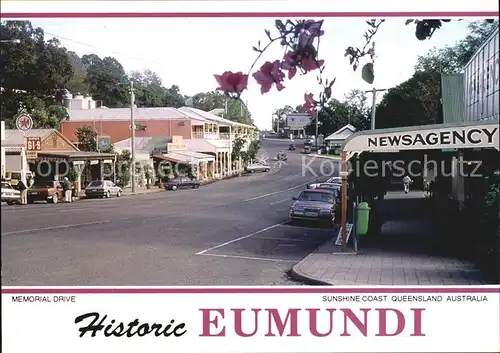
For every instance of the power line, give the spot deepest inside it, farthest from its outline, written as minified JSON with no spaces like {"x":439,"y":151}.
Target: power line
{"x":103,"y":49}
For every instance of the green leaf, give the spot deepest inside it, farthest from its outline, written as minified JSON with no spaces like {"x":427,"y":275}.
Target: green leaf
{"x":367,"y":73}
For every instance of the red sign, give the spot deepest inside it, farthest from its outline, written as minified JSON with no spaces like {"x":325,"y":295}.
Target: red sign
{"x":34,"y":144}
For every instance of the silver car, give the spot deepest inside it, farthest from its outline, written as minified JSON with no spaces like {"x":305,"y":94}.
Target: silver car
{"x":258,"y":167}
{"x":9,"y":194}
{"x":314,"y":205}
{"x":102,"y":188}
{"x":332,"y":180}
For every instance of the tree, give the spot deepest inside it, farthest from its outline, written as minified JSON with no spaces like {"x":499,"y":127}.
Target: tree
{"x":107,"y":81}
{"x":87,"y":138}
{"x":452,"y":59}
{"x":417,"y":101}
{"x":414,"y":102}
{"x":279,"y":117}
{"x":234,"y":110}
{"x":77,"y":83}
{"x":34,"y":72}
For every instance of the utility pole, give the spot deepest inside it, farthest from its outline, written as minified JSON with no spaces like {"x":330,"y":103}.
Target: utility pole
{"x":374,"y":103}
{"x":132,"y":134}
{"x":315,"y":112}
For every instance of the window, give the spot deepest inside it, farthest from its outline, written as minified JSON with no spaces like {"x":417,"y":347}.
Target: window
{"x":96,"y":183}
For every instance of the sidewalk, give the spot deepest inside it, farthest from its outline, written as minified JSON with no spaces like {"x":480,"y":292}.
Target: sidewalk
{"x":410,"y":250}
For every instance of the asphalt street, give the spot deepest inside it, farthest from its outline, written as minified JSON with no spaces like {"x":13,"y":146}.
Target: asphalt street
{"x":232,"y":232}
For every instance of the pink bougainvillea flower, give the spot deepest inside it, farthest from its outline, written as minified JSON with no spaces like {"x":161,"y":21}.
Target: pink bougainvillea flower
{"x":310,"y":64}
{"x":290,"y":64}
{"x":328,"y":90}
{"x":309,"y":103}
{"x":230,"y":82}
{"x":268,"y":74}
{"x":303,"y":59}
{"x":311,"y":29}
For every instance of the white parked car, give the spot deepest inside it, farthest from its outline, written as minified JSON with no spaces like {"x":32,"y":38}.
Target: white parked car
{"x":9,"y":194}
{"x":258,"y":167}
{"x":332,"y":180}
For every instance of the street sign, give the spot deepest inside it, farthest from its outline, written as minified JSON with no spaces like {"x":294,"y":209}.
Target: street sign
{"x":104,"y":143}
{"x":34,"y":144}
{"x":31,"y":155}
{"x":24,"y":122}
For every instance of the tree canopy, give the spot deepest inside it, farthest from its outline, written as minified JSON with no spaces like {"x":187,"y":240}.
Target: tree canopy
{"x":417,"y":101}
{"x":36,"y":73}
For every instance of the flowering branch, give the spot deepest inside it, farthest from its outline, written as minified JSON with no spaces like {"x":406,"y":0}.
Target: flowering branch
{"x":301,"y":40}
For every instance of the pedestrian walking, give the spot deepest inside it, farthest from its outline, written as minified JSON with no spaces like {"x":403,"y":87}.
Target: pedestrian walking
{"x":24,"y":192}
{"x":67,"y":190}
{"x":406,"y":182}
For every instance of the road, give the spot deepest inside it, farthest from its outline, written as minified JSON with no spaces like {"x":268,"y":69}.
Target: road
{"x":232,"y":232}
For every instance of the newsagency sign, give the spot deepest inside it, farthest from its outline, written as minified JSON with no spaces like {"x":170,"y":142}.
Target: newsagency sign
{"x":479,"y":136}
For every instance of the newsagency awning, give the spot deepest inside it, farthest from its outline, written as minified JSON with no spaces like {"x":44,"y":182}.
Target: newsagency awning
{"x":442,"y":136}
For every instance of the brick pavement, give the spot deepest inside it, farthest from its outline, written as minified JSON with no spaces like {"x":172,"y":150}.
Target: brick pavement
{"x":408,"y":251}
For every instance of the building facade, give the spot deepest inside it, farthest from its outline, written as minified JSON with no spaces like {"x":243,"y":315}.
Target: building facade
{"x":2,"y":153}
{"x":295,"y":124}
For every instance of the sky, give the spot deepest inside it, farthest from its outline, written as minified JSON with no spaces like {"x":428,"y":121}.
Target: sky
{"x":188,"y":52}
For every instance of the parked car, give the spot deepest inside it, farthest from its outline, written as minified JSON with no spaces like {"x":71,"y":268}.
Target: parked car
{"x":291,"y":147}
{"x":332,"y":180}
{"x":181,"y":182}
{"x":50,"y":191}
{"x":9,"y":194}
{"x":103,"y":188}
{"x":257,"y":167}
{"x":314,"y":205}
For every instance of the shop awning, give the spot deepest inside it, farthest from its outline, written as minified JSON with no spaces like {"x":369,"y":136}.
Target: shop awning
{"x":77,"y":156}
{"x":427,"y":137}
{"x":185,"y":157}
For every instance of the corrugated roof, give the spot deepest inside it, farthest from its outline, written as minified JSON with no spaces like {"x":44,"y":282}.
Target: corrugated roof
{"x":213,"y":117}
{"x":144,"y":144}
{"x":16,"y":149}
{"x":197,"y":155}
{"x":16,"y":137}
{"x":121,"y":114}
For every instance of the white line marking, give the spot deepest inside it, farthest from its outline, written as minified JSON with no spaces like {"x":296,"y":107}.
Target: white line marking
{"x":276,"y":192}
{"x":54,"y":228}
{"x":240,"y":238}
{"x":280,"y":201}
{"x":248,"y":258}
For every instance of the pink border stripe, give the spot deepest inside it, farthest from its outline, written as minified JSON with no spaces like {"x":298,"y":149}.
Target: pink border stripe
{"x":237,"y":290}
{"x":19,"y":15}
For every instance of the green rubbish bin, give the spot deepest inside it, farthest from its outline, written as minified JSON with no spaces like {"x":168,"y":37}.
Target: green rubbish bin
{"x":362,"y":218}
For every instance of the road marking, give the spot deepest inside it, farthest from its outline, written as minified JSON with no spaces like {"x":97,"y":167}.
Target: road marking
{"x":275,"y":192}
{"x":280,"y":201}
{"x":240,"y":238}
{"x":248,"y":258}
{"x":55,"y":228}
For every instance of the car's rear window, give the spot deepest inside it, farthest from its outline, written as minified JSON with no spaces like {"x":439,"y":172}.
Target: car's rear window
{"x":316,"y":196}
{"x":96,"y":183}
